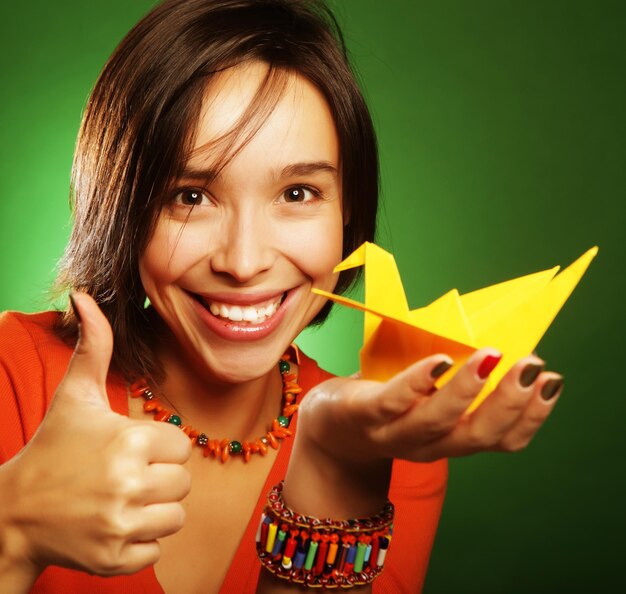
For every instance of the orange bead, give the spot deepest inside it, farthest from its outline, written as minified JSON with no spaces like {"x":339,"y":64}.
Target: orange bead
{"x":262,"y":447}
{"x":186,"y":429}
{"x":292,"y":387}
{"x":272,"y":440}
{"x":207,"y":451}
{"x":138,"y":387}
{"x":290,"y":410}
{"x":150,"y":405}
{"x":254,"y":448}
{"x":289,"y":398}
{"x":193,"y":432}
{"x":162,"y":415}
{"x":246,"y":456}
{"x":225,"y":453}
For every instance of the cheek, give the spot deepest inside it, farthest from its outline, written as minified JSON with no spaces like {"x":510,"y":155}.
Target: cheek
{"x":171,"y":251}
{"x":317,"y":249}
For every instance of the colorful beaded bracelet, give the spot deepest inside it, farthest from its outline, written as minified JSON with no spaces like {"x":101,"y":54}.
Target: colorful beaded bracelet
{"x":322,"y":553}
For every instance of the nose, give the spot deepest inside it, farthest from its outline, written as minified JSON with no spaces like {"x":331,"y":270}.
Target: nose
{"x":245,"y":249}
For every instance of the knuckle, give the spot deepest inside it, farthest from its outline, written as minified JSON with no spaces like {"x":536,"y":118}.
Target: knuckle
{"x":535,"y":419}
{"x":478,"y":440}
{"x":514,"y":445}
{"x":136,"y":437}
{"x":116,"y":529}
{"x":432,"y":427}
{"x":106,"y":562}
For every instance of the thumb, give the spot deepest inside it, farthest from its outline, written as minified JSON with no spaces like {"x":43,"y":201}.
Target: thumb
{"x":88,"y":368}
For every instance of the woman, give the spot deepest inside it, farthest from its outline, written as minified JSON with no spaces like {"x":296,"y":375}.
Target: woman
{"x":225,"y":164}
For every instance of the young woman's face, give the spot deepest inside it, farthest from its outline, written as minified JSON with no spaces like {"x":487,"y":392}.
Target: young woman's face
{"x":231,"y":263}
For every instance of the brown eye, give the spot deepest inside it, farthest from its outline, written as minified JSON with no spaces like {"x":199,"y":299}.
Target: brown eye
{"x":299,"y":194}
{"x":191,"y":198}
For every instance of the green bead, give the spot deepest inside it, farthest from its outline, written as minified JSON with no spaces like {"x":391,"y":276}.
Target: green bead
{"x":284,"y":366}
{"x":235,"y":447}
{"x":175,"y":420}
{"x":283,"y":421}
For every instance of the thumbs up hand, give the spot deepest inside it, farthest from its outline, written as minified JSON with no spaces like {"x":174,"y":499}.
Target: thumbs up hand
{"x":92,"y":490}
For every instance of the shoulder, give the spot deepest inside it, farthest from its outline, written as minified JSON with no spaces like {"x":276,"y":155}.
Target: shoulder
{"x":33,"y":360}
{"x":30,"y":340}
{"x":23,"y":327}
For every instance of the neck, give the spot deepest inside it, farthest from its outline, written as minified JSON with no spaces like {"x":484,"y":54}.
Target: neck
{"x":225,"y":410}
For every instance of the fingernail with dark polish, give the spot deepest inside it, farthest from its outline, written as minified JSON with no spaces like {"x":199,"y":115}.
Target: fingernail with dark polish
{"x":488,"y":365}
{"x":74,"y":308}
{"x":439,"y":369}
{"x":551,"y":388}
{"x":529,"y":374}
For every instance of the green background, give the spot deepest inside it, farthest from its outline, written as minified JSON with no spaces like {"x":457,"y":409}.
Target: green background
{"x":502,"y":131}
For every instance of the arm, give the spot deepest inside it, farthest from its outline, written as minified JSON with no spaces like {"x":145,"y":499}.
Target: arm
{"x":349,"y":431}
{"x":92,"y":490}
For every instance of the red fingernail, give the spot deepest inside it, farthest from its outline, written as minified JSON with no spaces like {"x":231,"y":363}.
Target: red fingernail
{"x":488,"y":365}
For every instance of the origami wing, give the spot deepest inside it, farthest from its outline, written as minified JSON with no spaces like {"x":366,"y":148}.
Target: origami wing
{"x":511,"y":316}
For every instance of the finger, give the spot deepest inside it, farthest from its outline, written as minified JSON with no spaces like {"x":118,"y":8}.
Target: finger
{"x":395,"y":397}
{"x":158,"y":520}
{"x":504,"y":406}
{"x":442,"y":412}
{"x":168,"y":444}
{"x":546,"y":392}
{"x":87,"y":371}
{"x":165,"y":483}
{"x":134,"y":557}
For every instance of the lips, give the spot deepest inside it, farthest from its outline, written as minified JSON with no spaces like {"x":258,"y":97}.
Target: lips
{"x":242,"y":317}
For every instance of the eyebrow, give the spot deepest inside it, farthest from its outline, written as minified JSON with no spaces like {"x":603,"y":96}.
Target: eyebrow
{"x":292,"y":170}
{"x":308,"y":168}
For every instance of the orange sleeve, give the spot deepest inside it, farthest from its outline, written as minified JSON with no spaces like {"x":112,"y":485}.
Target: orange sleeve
{"x":21,"y":374}
{"x":417,"y":491}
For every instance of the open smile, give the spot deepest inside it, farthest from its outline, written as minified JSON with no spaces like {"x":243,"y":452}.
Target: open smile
{"x":242,"y":317}
{"x":256,"y":313}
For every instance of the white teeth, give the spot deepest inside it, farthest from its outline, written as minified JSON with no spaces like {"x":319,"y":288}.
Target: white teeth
{"x":249,"y":314}
{"x":253,"y":314}
{"x":235,"y":313}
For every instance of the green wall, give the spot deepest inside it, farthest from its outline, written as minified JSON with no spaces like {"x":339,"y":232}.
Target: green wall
{"x":502,"y":132}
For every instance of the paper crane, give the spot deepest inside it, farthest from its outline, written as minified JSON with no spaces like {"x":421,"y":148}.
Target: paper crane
{"x":511,"y":316}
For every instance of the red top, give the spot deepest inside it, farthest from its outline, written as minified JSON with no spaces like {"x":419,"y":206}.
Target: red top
{"x":33,"y":361}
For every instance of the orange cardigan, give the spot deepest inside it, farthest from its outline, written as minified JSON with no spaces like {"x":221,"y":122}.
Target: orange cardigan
{"x":32,"y":363}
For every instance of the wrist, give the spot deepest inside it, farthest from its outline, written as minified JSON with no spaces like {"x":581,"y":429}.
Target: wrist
{"x":17,"y":572}
{"x":321,"y":484}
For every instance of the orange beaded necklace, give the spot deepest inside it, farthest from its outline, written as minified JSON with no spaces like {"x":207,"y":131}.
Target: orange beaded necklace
{"x":222,"y":449}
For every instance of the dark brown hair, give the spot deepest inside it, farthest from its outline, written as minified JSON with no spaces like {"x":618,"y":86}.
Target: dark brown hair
{"x":137,"y":127}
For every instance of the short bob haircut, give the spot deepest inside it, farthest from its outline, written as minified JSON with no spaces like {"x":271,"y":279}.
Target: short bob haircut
{"x":137,"y":129}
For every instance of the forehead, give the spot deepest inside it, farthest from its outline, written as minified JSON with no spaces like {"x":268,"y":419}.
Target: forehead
{"x":273,"y":114}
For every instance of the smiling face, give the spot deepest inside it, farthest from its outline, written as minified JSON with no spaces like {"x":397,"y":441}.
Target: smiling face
{"x":231,"y":262}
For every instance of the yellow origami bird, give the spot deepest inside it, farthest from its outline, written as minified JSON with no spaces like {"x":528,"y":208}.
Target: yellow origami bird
{"x":511,"y":316}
